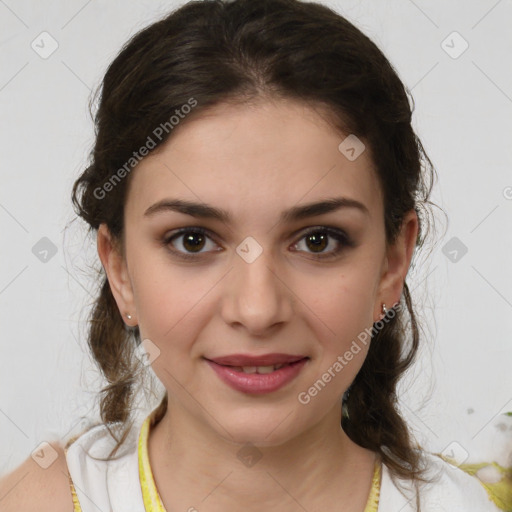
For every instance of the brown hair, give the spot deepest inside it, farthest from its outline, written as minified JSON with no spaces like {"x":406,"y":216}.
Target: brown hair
{"x":245,"y":50}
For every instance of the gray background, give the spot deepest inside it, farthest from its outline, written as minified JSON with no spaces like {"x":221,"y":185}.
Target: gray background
{"x":463,"y":116}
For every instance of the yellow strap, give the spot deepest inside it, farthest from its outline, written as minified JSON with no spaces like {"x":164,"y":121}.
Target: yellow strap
{"x":373,"y":499}
{"x":150,"y":495}
{"x":76,"y":503}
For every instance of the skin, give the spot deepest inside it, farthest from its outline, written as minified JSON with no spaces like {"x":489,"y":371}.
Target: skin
{"x":255,"y":161}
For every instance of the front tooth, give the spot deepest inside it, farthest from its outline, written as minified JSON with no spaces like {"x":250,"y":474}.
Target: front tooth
{"x":259,"y":369}
{"x":265,"y":369}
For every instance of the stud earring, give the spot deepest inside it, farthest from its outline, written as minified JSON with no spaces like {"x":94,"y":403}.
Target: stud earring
{"x":384,"y":309}
{"x":128,"y":316}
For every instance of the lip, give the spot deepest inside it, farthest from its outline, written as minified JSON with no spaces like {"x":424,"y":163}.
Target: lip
{"x":255,"y":383}
{"x":263,"y":360}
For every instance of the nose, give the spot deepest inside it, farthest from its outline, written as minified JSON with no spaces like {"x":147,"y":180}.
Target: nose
{"x":256,"y":295}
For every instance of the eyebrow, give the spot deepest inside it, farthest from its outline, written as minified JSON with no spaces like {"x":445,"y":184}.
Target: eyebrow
{"x":205,"y":211}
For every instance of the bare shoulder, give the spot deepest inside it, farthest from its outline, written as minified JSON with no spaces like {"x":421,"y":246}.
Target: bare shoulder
{"x":31,"y":487}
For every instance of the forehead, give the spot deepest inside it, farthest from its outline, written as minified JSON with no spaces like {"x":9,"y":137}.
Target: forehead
{"x":253,"y":160}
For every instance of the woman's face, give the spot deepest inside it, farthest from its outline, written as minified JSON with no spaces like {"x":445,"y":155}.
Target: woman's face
{"x":272,"y":277}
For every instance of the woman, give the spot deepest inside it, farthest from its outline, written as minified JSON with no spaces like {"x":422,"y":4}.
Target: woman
{"x":258,"y":194}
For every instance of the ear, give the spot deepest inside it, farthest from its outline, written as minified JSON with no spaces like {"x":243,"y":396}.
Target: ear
{"x":396,"y":265}
{"x":117,"y":273}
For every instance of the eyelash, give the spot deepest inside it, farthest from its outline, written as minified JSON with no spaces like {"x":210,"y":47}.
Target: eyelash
{"x":338,"y":235}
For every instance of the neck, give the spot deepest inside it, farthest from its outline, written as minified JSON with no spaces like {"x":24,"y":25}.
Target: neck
{"x":194,"y":467}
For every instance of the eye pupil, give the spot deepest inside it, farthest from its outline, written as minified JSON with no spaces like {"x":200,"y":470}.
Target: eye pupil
{"x":189,"y":239}
{"x":318,"y":239}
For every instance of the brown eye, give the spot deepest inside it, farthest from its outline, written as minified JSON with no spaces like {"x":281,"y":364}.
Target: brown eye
{"x":193,"y":242}
{"x":318,"y":240}
{"x":188,"y":242}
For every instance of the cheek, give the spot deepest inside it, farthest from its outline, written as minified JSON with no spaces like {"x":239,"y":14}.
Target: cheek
{"x":171,"y":301}
{"x":341,"y":318}
{"x":344,"y":307}
{"x":172,"y":317}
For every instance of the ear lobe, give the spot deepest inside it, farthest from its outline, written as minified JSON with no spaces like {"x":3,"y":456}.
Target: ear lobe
{"x":398,"y":259}
{"x":117,"y":273}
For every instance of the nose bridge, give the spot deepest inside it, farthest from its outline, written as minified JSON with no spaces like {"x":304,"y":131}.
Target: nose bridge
{"x":257,"y":297}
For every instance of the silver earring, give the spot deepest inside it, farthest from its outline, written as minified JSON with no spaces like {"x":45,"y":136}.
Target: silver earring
{"x":384,"y":310}
{"x":128,"y":316}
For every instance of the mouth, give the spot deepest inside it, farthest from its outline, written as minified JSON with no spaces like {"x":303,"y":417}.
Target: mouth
{"x":264,"y":369}
{"x":247,"y":360}
{"x":260,"y":378}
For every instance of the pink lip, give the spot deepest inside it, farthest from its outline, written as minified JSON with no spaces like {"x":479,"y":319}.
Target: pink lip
{"x":263,"y":360}
{"x":254,"y":383}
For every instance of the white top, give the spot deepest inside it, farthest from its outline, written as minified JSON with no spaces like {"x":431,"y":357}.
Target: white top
{"x":106,"y":486}
{"x":116,"y":485}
